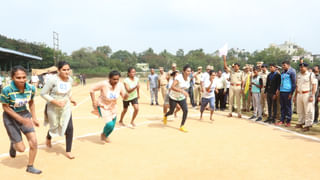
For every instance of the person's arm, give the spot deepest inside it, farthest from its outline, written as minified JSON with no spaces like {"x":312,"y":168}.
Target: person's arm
{"x":25,"y":121}
{"x":138,"y":90}
{"x":148,"y":83}
{"x":293,"y":81}
{"x":33,"y":112}
{"x":314,"y":88}
{"x":209,"y":87}
{"x":94,"y":88}
{"x":123,"y":93}
{"x":174,"y":88}
{"x":45,"y":93}
{"x":225,"y":64}
{"x":267,"y":84}
{"x":128,"y":89}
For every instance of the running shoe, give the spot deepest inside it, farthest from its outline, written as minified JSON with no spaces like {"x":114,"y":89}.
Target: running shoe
{"x":33,"y":170}
{"x":12,"y":151}
{"x":252,"y":117}
{"x":183,"y":129}
{"x":165,"y":120}
{"x":259,"y":119}
{"x":279,"y":123}
{"x":288,"y":124}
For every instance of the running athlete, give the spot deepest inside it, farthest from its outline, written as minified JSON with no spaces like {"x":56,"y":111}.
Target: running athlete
{"x":16,"y":118}
{"x":106,"y":105}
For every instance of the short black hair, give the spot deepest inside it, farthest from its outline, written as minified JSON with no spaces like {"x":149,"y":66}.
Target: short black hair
{"x":237,"y":64}
{"x":286,"y":62}
{"x":61,"y":64}
{"x":211,"y":72}
{"x":17,"y":68}
{"x":114,"y":73}
{"x":130,"y":69}
{"x":272,"y":64}
{"x":186,"y":67}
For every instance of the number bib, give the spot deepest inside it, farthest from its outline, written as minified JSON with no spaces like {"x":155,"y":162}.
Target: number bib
{"x":63,"y":87}
{"x":20,"y":102}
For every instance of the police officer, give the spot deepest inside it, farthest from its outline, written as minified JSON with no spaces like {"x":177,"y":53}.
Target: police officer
{"x":197,"y":85}
{"x":246,"y":96}
{"x":236,"y":86}
{"x":264,"y":74}
{"x":305,"y":97}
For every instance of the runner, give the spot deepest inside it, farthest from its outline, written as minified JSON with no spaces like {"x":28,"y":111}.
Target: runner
{"x":178,"y":94}
{"x":57,"y":93}
{"x":17,"y":118}
{"x":131,"y":84}
{"x":106,"y":105}
{"x":209,"y":94}
{"x":166,"y":99}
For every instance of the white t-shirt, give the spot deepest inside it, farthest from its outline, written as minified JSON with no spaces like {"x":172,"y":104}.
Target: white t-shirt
{"x":182,"y":84}
{"x":34,"y":79}
{"x":213,"y":86}
{"x":226,"y":77}
{"x":205,"y":76}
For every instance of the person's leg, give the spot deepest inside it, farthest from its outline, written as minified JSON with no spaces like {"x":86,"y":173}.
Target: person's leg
{"x":275,"y":107}
{"x":222,"y":100}
{"x":309,"y":111}
{"x":289,"y":109}
{"x":135,"y":113}
{"x":172,"y":106}
{"x":282,"y":106}
{"x":152,"y":95}
{"x":204,"y":103}
{"x":300,"y":109}
{"x":107,"y":130}
{"x":259,"y":112}
{"x":217,"y":101}
{"x":316,"y":110}
{"x":156,"y":95}
{"x":231,"y":100}
{"x":69,"y":139}
{"x":212,"y":103}
{"x":196,"y":94}
{"x":32,"y":140}
{"x":255,"y":108}
{"x":238,"y":99}
{"x":124,"y":111}
{"x":163,"y":91}
{"x":269,"y":101}
{"x":184,"y":107}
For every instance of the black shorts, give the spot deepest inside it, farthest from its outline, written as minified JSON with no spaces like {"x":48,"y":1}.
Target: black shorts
{"x":127,"y":103}
{"x":14,"y":128}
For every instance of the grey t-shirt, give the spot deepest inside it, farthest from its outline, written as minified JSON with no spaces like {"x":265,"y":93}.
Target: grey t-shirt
{"x":153,"y":80}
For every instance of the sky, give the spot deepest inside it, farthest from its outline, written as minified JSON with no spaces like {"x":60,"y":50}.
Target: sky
{"x":136,"y":25}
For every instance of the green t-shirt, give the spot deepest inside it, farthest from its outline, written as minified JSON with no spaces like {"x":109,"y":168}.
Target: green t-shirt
{"x":132,"y":84}
{"x":16,"y":100}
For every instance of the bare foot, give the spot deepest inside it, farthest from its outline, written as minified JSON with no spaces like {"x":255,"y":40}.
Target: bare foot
{"x":108,"y":140}
{"x":69,"y":155}
{"x":48,"y":143}
{"x":211,"y":119}
{"x":229,"y":115}
{"x":133,"y":124}
{"x":103,"y":137}
{"x":175,"y":115}
{"x":122,"y":124}
{"x":201,"y":119}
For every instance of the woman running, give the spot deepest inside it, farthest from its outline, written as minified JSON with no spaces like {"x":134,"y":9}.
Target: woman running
{"x":57,"y":93}
{"x":17,"y":118}
{"x":106,"y":105}
{"x":166,"y":99}
{"x":178,"y":94}
{"x":208,"y":95}
{"x":131,"y":84}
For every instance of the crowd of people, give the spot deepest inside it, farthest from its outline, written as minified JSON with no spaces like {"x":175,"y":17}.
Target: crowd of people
{"x":253,"y":89}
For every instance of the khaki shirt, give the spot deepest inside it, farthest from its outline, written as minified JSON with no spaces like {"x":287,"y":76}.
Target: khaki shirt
{"x":303,"y":81}
{"x":163,"y":79}
{"x":198,"y":78}
{"x":236,"y":77}
{"x":264,"y":78}
{"x":245,"y":76}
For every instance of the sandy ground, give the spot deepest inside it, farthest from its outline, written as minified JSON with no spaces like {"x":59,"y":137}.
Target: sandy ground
{"x":228,"y":148}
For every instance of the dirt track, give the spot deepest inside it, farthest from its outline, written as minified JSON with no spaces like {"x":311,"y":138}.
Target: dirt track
{"x":228,"y":148}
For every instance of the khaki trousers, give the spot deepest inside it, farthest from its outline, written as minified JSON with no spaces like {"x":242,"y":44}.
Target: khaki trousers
{"x":305,"y":109}
{"x":246,"y":104}
{"x":197,"y":94}
{"x":163,"y":89}
{"x":264,"y":103}
{"x":235,"y":95}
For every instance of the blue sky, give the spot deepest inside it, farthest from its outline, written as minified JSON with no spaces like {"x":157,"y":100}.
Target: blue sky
{"x":136,"y":25}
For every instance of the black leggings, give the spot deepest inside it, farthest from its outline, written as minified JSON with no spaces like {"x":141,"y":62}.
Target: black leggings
{"x":69,"y":135}
{"x":183,"y":105}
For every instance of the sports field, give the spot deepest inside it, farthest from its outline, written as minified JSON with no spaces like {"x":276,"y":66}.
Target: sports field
{"x":227,"y":148}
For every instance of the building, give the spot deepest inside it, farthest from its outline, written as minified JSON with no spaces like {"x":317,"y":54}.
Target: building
{"x":292,"y":48}
{"x":143,"y":66}
{"x":10,"y":58}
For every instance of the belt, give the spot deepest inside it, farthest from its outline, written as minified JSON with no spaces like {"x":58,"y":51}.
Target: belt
{"x":197,"y":83}
{"x":163,"y":85}
{"x":303,"y":92}
{"x":235,"y":84}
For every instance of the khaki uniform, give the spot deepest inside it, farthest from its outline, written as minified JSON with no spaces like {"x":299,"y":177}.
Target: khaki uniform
{"x":246,"y":103}
{"x":163,"y":84}
{"x":305,"y":109}
{"x":197,"y":88}
{"x":264,"y":104}
{"x":235,"y":89}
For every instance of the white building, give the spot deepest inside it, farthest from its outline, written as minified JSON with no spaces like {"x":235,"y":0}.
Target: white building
{"x":291,"y":48}
{"x":143,"y":66}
